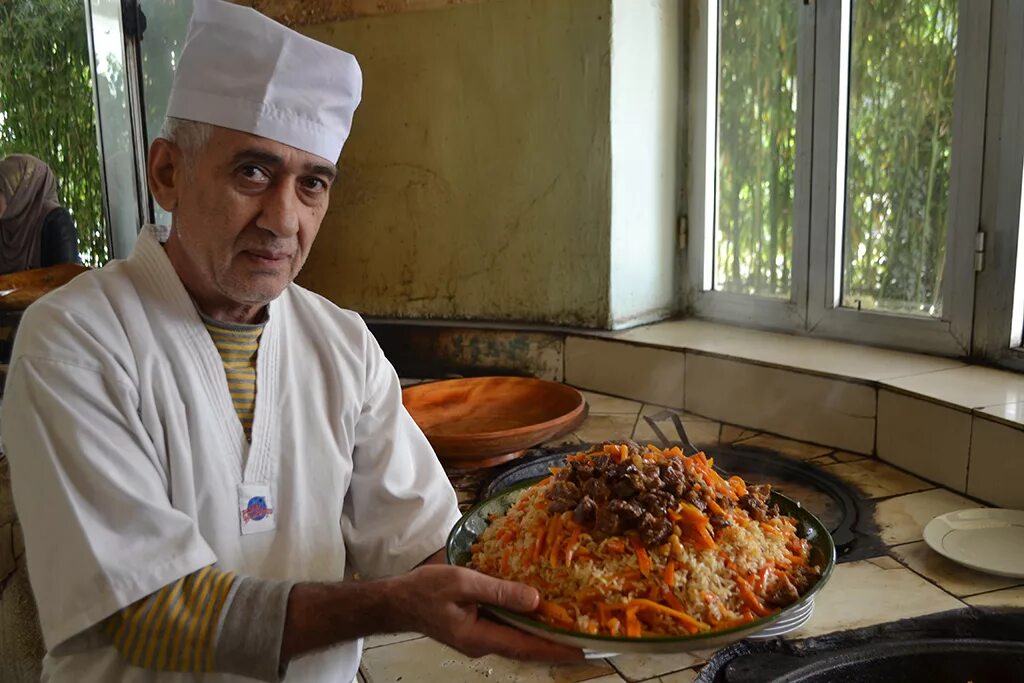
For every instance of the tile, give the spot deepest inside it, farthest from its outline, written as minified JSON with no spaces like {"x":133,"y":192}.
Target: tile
{"x":966,"y":387}
{"x":884,"y":562}
{"x":807,"y":407}
{"x":815,"y":355}
{"x":641,"y":373}
{"x":1010,"y":597}
{"x":925,"y":438}
{"x":902,"y":519}
{"x":598,"y":428}
{"x":1010,"y":413}
{"x":861,"y":594}
{"x":824,"y":460}
{"x":950,"y":576}
{"x":388,"y":639}
{"x":787,"y":447}
{"x":847,"y":457}
{"x":602,"y":404}
{"x":688,"y":676}
{"x":997,"y":464}
{"x":732,"y":433}
{"x":875,"y":479}
{"x":427,"y":661}
{"x":702,"y":432}
{"x":642,"y":667}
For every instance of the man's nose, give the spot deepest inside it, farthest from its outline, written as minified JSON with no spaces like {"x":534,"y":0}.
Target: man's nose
{"x":280,"y":214}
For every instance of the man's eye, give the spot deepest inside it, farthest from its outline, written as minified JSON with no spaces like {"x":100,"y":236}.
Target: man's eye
{"x":254,"y":173}
{"x":315,"y":184}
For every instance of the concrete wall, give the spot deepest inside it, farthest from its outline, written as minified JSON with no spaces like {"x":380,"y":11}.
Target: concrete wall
{"x":645,"y":159}
{"x":476,"y":182}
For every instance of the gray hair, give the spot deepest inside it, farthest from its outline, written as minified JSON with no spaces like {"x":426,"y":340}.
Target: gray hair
{"x":190,"y":136}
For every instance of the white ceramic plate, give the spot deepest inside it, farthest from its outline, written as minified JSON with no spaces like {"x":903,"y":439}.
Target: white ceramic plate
{"x":987,"y":539}
{"x":788,"y":625}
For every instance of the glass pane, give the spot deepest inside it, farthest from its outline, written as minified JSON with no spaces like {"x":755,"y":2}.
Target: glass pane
{"x":122,"y":185}
{"x":756,"y":146}
{"x":902,"y":67}
{"x":166,"y":28}
{"x":47,"y":108}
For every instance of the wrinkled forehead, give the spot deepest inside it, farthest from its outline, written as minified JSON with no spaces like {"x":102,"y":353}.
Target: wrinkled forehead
{"x":228,"y":145}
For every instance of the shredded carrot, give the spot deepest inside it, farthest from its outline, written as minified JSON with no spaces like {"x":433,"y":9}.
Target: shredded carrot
{"x":670,"y":597}
{"x":642,"y":558}
{"x":554,"y":538}
{"x":555,"y":612}
{"x":750,"y":598}
{"x":571,"y":546}
{"x":738,"y":485}
{"x":632,"y":623}
{"x":670,"y":573}
{"x":682,"y":616}
{"x":615,"y":545}
{"x":505,"y":557}
{"x":539,"y":544}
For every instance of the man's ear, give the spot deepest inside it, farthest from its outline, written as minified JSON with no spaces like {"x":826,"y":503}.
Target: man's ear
{"x":166,"y":173}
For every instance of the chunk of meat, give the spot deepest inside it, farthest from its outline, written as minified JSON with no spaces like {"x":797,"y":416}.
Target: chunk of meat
{"x":597,"y":488}
{"x":654,"y":530}
{"x":563,"y":496}
{"x":623,"y":489}
{"x":586,"y":511}
{"x":629,"y":510}
{"x":607,"y":523}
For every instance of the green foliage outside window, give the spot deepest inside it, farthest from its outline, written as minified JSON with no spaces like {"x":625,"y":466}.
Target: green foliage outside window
{"x":902,"y":67}
{"x":46,"y":107}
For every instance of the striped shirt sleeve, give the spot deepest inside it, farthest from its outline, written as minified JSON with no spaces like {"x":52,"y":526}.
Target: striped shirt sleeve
{"x":209,"y":621}
{"x":173,"y":629}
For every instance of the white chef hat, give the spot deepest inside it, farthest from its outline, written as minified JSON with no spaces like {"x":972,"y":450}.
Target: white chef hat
{"x":243,"y":71}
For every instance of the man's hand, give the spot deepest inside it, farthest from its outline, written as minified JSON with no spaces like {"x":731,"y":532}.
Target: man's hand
{"x":442,"y":602}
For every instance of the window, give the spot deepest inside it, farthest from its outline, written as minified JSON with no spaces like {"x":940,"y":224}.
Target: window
{"x":838,"y":157}
{"x":756,"y":148}
{"x":898,"y":149}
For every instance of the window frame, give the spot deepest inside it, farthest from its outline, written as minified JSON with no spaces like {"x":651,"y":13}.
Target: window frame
{"x":817,"y":237}
{"x":999,"y":307}
{"x":758,"y":311}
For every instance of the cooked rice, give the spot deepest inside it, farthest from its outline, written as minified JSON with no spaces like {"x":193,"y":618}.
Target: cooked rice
{"x":701,"y":579}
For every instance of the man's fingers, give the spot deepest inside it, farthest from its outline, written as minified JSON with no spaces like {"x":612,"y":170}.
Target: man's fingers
{"x":490,"y":637}
{"x":509,"y":594}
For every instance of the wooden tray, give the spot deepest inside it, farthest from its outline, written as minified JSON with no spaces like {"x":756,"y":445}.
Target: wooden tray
{"x":483,"y":421}
{"x":19,"y":290}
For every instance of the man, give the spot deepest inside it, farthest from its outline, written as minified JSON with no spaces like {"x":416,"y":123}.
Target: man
{"x":200,"y":449}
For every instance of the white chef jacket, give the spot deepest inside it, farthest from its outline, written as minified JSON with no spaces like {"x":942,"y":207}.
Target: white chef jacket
{"x":126,"y":455}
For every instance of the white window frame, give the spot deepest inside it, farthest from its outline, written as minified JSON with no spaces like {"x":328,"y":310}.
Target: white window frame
{"x":999,"y":307}
{"x":814,"y":307}
{"x":744,"y":309}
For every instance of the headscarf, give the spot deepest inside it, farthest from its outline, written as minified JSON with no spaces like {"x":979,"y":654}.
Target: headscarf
{"x":30,"y":188}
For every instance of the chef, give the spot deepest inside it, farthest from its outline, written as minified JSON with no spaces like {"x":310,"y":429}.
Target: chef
{"x":214,"y":472}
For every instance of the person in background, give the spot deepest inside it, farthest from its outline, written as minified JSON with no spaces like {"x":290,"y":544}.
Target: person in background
{"x":35,"y":230}
{"x":206,"y":456}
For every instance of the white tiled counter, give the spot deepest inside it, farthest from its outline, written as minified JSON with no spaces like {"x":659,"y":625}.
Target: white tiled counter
{"x":910,"y":580}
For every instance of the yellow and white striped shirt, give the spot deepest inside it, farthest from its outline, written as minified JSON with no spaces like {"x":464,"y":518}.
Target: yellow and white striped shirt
{"x":237,"y":345}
